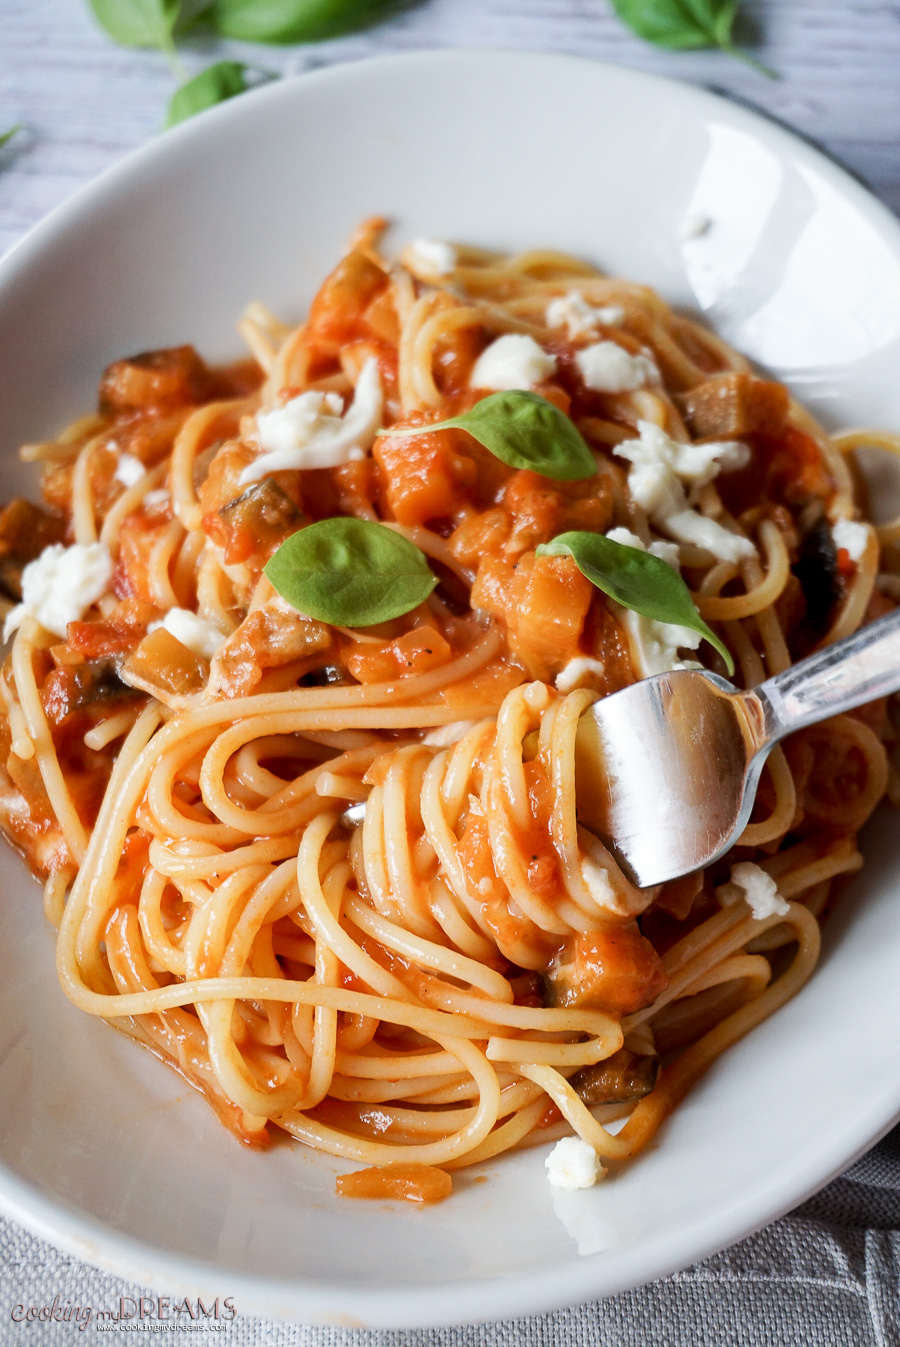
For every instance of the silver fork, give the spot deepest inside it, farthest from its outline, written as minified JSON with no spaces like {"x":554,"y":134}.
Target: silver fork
{"x":666,"y":771}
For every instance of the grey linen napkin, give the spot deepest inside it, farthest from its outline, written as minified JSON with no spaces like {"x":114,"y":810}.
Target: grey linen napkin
{"x":828,"y":1275}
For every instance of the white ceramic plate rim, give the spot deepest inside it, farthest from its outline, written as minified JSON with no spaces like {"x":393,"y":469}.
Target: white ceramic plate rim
{"x":432,"y":1304}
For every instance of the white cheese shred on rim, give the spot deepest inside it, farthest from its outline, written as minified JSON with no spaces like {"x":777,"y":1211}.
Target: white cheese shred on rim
{"x":573,"y":1164}
{"x":513,"y":361}
{"x":310,"y":432}
{"x":198,"y":634}
{"x":60,"y":585}
{"x":759,"y":890}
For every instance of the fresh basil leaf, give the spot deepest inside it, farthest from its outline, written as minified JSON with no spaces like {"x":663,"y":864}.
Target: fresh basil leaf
{"x":213,"y":85}
{"x":7,"y":136}
{"x":523,"y":430}
{"x":682,"y":25}
{"x":636,"y":580}
{"x":139,"y":23}
{"x":294,"y":20}
{"x":350,"y":572}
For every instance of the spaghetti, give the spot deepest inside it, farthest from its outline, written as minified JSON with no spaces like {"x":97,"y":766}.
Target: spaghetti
{"x":465,"y":970}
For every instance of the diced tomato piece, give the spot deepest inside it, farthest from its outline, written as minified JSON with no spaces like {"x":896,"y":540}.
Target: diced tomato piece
{"x":417,"y":651}
{"x":541,"y":509}
{"x":543,"y":601}
{"x":424,"y":476}
{"x":120,"y":632}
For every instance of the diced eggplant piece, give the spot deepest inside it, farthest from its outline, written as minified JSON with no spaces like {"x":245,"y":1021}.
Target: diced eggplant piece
{"x":165,"y":668}
{"x":614,"y":969}
{"x":158,"y":381}
{"x":327,"y":675}
{"x":622,"y":1078}
{"x":817,"y":570}
{"x":270,"y":637}
{"x":257,"y":522}
{"x":25,"y":530}
{"x":74,"y":687}
{"x":733,"y":405}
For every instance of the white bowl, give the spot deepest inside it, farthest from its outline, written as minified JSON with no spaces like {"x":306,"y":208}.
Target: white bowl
{"x":103,"y":1150}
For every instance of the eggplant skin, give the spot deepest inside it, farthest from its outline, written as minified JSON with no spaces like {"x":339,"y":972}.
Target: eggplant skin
{"x":817,"y":570}
{"x":621,"y":1078}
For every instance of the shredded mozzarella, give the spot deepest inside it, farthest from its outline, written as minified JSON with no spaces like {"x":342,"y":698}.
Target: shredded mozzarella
{"x":309,"y":431}
{"x":201,"y":636}
{"x":655,"y":645}
{"x":689,"y":526}
{"x":512,"y":361}
{"x":598,"y":884}
{"x":431,"y":257}
{"x":662,"y":470}
{"x":573,"y":312}
{"x":129,"y":470}
{"x":760,"y":891}
{"x":609,"y":368}
{"x":853,"y":537}
{"x":667,"y":552}
{"x":60,"y":585}
{"x":573,"y":1164}
{"x":580,"y":672}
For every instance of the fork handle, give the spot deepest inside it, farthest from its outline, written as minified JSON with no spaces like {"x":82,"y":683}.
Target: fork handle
{"x":861,"y":668}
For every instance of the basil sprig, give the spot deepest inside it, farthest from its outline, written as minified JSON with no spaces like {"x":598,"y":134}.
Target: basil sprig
{"x":213,"y":85}
{"x":684,"y":25}
{"x":523,"y":430}
{"x":278,"y":21}
{"x":636,"y":580}
{"x":154,"y":23}
{"x":139,"y":23}
{"x":350,"y":572}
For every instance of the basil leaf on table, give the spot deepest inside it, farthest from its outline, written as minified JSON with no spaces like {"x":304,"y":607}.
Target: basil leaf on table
{"x":635,"y":579}
{"x":139,"y":23}
{"x":277,"y":21}
{"x":523,"y":430}
{"x":683,"y":25}
{"x":6,"y":136}
{"x":350,"y":572}
{"x":213,"y":85}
